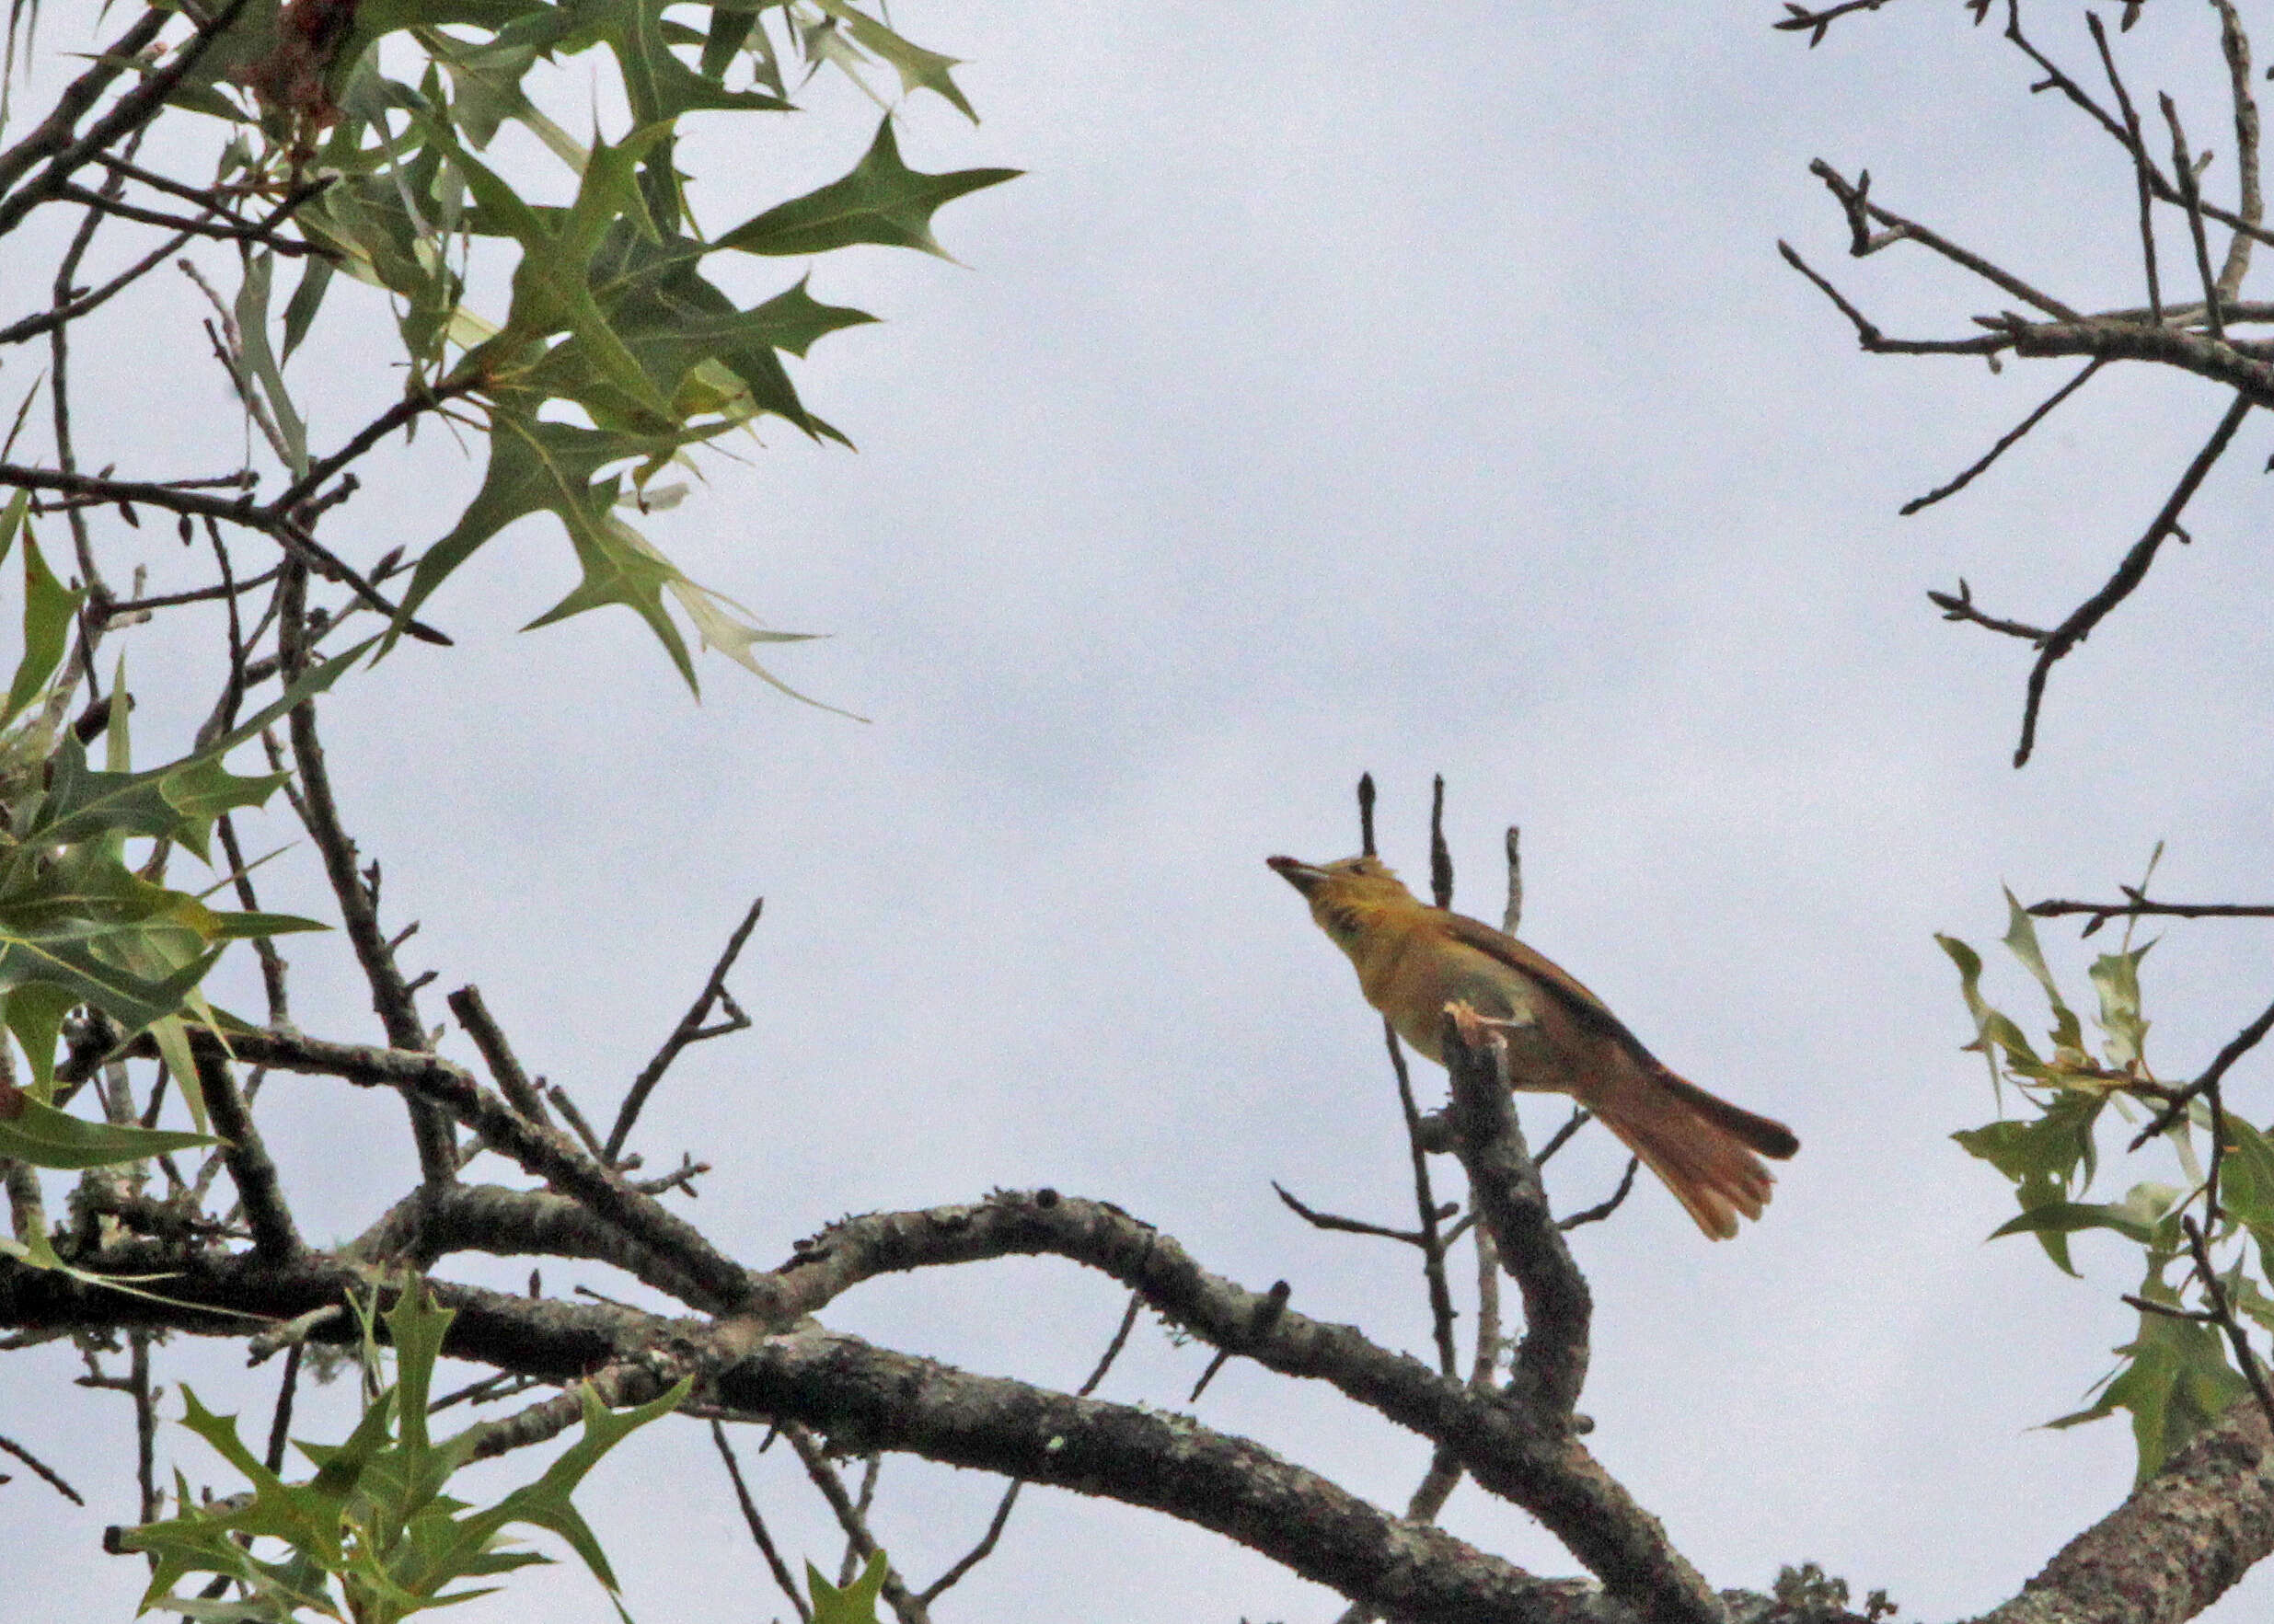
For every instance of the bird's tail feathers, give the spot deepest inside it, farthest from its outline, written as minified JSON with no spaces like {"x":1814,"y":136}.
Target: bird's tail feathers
{"x":1702,"y":1147}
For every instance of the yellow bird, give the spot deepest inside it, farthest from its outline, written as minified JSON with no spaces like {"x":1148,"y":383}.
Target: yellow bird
{"x":1412,"y":960}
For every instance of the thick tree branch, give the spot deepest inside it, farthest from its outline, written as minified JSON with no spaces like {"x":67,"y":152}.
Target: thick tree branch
{"x":1551,"y":1360}
{"x":2171,"y":1549}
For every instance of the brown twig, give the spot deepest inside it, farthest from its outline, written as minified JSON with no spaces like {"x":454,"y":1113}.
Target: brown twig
{"x":497,"y":1054}
{"x":1603,"y":1209}
{"x":1342,"y":1226}
{"x":54,"y":1479}
{"x":757,"y":1525}
{"x":2240,"y":1044}
{"x":2144,"y":167}
{"x":2006,"y":443}
{"x":690,"y":1031}
{"x":986,"y":1548}
{"x":2128,"y":574}
{"x":2191,"y":201}
{"x":2234,"y":45}
{"x":905,"y":1607}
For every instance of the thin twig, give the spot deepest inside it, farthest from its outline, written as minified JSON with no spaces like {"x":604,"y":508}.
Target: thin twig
{"x":2235,"y":46}
{"x":2191,"y":200}
{"x":1580,"y":1117}
{"x":390,"y":996}
{"x":757,"y":1525}
{"x":2240,"y":1044}
{"x":1319,"y":1220}
{"x":1601,"y":1210}
{"x":2143,"y":167}
{"x":905,"y":1607}
{"x":54,"y":1479}
{"x":2013,"y":437}
{"x":2128,"y":574}
{"x":690,"y":1030}
{"x":496,"y":1053}
{"x":981,"y":1551}
{"x":2223,"y":1312}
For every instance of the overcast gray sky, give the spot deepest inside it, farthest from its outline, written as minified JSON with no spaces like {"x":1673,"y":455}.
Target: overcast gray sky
{"x":1344,"y":388}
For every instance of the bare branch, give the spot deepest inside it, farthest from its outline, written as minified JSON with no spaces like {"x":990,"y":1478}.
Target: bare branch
{"x":2144,"y":167}
{"x":690,"y":1030}
{"x":757,"y":1525}
{"x":905,"y":1607}
{"x":2128,"y":574}
{"x":2013,"y":436}
{"x":1551,"y":1360}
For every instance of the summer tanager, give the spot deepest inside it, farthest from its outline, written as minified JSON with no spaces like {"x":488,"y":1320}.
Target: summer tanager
{"x":1412,"y":960}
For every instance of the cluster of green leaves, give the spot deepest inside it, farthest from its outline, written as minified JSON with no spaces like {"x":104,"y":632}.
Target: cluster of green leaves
{"x":372,"y":1536}
{"x":2177,"y":1374}
{"x":85,"y":916}
{"x":617,"y":354}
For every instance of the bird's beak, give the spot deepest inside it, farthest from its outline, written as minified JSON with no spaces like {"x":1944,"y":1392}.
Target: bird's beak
{"x":1304,"y":877}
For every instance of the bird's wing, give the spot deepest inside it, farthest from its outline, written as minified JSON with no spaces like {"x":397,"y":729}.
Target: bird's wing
{"x":1582,"y":1005}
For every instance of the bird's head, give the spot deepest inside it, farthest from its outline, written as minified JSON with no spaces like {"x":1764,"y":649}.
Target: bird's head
{"x":1346,"y":895}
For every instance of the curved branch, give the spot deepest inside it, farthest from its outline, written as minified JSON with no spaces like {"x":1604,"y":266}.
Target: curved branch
{"x":2174,"y":1546}
{"x":1512,"y":1450}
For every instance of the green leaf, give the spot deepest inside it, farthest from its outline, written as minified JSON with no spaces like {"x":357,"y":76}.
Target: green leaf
{"x":2246,"y":1185}
{"x":918,"y":69}
{"x":856,"y":1604}
{"x":882,"y":201}
{"x":2137,"y":1218}
{"x":252,"y":323}
{"x":35,"y":1014}
{"x":2047,"y":1159}
{"x":2021,"y":939}
{"x":2176,"y":1381}
{"x":49,"y":607}
{"x":2117,"y":976}
{"x":47,"y":1137}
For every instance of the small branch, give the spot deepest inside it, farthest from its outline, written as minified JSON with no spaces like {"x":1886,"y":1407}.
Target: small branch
{"x":32,"y":326}
{"x":226,"y":229}
{"x":1512,"y":914}
{"x":1319,"y":1220}
{"x":1817,"y":22}
{"x":905,"y":1607}
{"x":2144,"y":167}
{"x":981,"y":1551}
{"x":1869,"y":336}
{"x":757,"y":1525}
{"x":1424,"y":1202}
{"x":275,"y":1237}
{"x":399,"y":415}
{"x":497,"y":1054}
{"x":2191,"y":200}
{"x":724,"y":1283}
{"x":279,"y":1419}
{"x":2141,"y":907}
{"x":1551,"y":1360}
{"x":2007,"y":441}
{"x":1601,"y":1210}
{"x":2128,"y":574}
{"x":1440,"y":855}
{"x":2235,"y":46}
{"x":1261,"y":1319}
{"x":2240,"y":1044}
{"x":1580,"y":1117}
{"x":1854,"y":198}
{"x":2222,"y":1313}
{"x":690,"y":1030}
{"x":54,"y":1479}
{"x":391,"y":998}
{"x":1959,"y":605}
